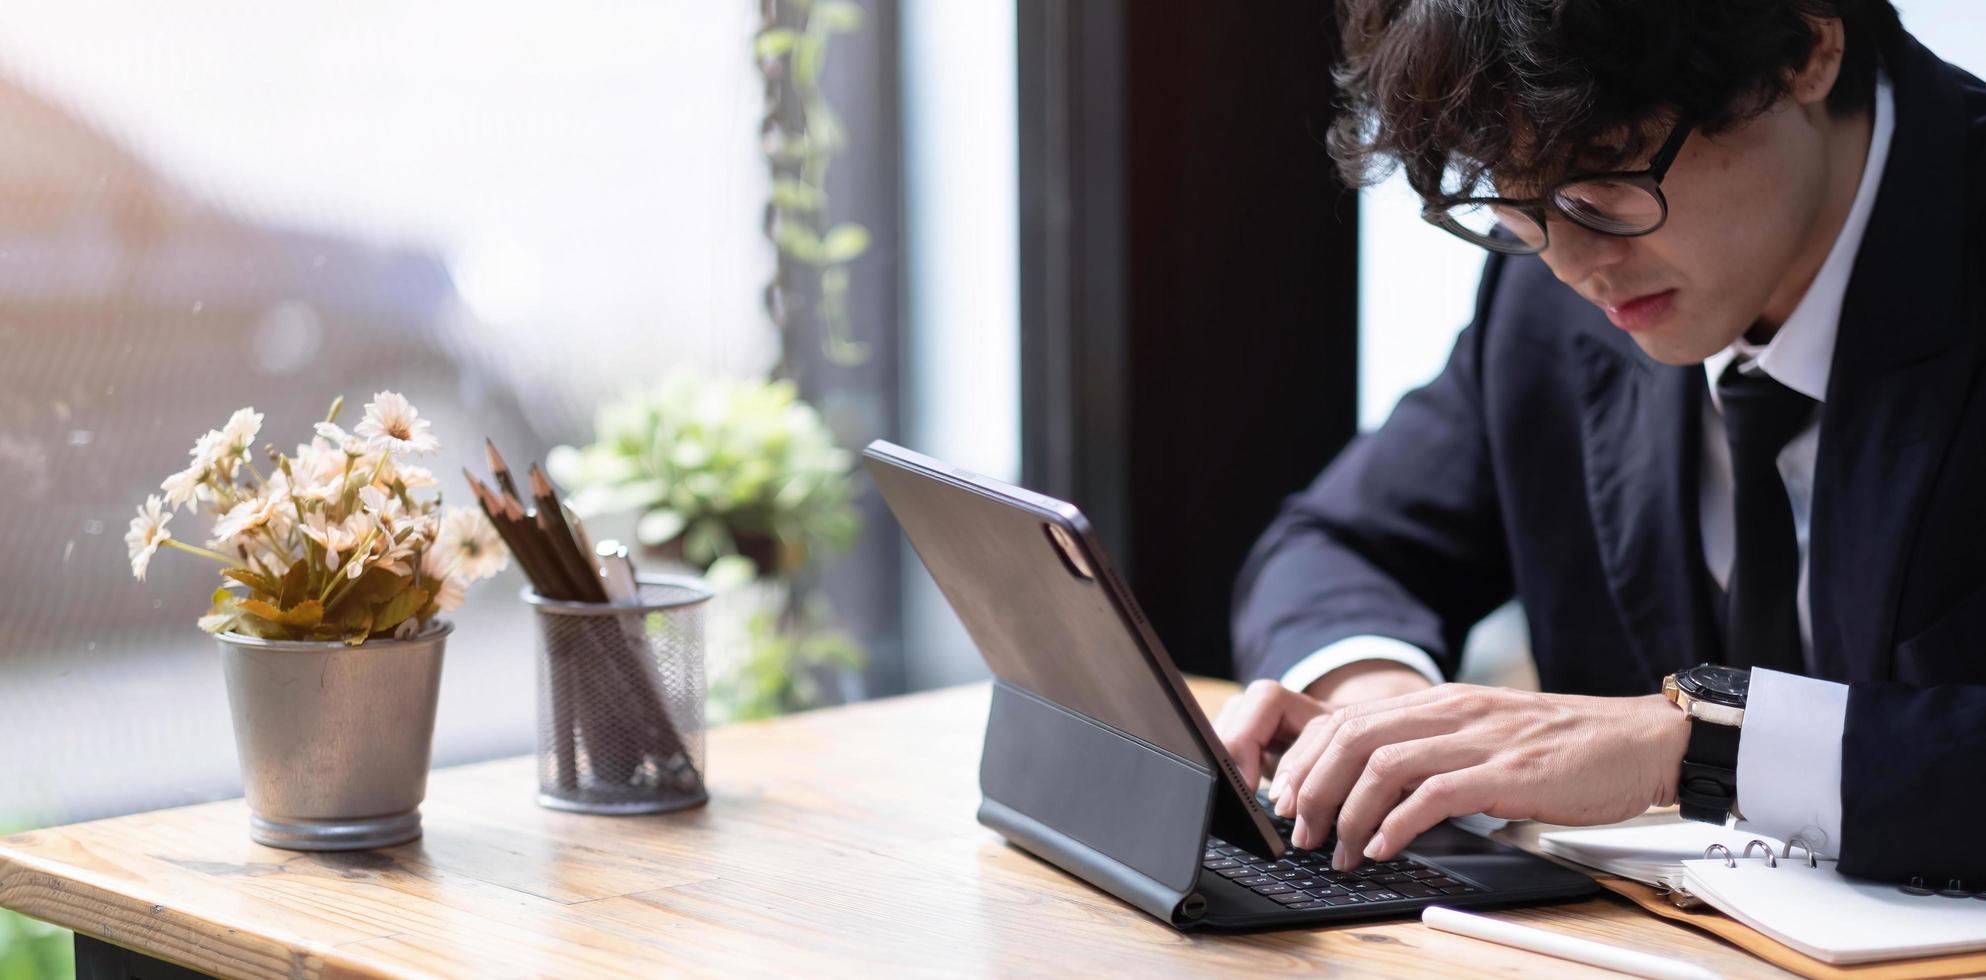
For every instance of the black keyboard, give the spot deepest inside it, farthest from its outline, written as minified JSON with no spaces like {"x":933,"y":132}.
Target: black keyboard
{"x":1304,"y":879}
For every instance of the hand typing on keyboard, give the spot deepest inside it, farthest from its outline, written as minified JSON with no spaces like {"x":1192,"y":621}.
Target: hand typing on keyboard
{"x":1379,"y":773}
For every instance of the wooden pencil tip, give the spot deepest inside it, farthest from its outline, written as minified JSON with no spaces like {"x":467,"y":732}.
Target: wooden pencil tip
{"x":540,"y":485}
{"x":496,"y":458}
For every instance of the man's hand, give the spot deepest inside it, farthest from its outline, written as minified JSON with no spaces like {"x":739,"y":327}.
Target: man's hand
{"x":1384,"y":771}
{"x":1267,"y":717}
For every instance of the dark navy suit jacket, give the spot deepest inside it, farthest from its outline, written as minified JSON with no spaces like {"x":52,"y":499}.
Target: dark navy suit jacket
{"x":1551,"y":460}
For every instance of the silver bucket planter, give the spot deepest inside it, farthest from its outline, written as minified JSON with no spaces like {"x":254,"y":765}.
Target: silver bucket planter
{"x":334,"y":740}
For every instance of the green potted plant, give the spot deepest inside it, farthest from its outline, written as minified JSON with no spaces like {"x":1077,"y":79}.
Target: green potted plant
{"x":337,"y":564}
{"x":741,"y":481}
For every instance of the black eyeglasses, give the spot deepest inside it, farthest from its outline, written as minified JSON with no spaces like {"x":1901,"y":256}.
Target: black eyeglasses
{"x":1627,"y":204}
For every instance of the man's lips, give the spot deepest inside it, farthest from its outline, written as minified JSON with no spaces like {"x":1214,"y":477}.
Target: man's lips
{"x":1640,"y":312}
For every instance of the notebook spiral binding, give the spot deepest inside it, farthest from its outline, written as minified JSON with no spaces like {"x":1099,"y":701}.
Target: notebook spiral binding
{"x":1953,"y":888}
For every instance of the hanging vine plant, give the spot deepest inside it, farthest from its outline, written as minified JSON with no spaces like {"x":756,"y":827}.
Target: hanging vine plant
{"x":800,"y":135}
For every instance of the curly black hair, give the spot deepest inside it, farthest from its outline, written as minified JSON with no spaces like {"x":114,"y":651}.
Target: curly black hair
{"x":1461,"y":94}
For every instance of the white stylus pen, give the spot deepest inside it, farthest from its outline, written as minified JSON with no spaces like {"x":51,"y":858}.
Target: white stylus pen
{"x":1562,"y":946}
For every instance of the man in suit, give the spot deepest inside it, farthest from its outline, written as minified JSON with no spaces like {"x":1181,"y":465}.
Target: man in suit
{"x":1721,"y":404}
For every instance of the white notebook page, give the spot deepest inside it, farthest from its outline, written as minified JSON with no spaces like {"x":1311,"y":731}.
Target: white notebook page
{"x":1834,"y":918}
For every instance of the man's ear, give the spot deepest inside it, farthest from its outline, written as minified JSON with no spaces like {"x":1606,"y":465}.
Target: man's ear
{"x":1812,"y":82}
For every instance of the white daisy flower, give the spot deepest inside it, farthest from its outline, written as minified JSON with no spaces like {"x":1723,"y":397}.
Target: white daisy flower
{"x":393,"y":425}
{"x":451,"y":592}
{"x":242,"y":428}
{"x":253,"y":512}
{"x":469,"y":544}
{"x":148,"y":531}
{"x":212,"y":452}
{"x":320,"y":471}
{"x":335,"y":537}
{"x":415,"y":477}
{"x":182,"y":487}
{"x":343,"y":441}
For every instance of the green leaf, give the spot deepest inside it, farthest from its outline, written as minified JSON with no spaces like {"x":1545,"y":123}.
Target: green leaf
{"x":352,"y":616}
{"x":798,"y":240}
{"x":845,"y":241}
{"x":256,"y":607}
{"x":774,"y":42}
{"x":398,"y":608}
{"x":261,"y":583}
{"x":808,"y":53}
{"x":795,"y":195}
{"x":304,"y":615}
{"x":840,"y":15}
{"x":730,"y":572}
{"x":296,"y":583}
{"x":658,"y":527}
{"x":372,"y":588}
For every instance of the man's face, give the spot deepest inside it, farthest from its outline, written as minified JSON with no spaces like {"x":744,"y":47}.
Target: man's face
{"x":1739,"y":244}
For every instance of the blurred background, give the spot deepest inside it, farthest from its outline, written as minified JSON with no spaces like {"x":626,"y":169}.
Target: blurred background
{"x":1095,"y":247}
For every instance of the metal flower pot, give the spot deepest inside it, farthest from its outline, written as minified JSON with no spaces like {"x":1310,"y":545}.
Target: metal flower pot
{"x":334,"y":740}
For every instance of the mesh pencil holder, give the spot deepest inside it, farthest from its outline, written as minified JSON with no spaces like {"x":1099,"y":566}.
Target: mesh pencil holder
{"x":621,"y":700}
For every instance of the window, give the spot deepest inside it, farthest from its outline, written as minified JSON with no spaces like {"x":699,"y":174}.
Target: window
{"x":508,"y":211}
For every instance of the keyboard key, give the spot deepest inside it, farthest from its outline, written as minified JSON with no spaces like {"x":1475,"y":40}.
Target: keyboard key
{"x":1458,"y":890}
{"x":1306,"y":906}
{"x":1381,"y":896}
{"x":1414,"y":889}
{"x":1423,"y":873}
{"x":1326,"y":891}
{"x":1440,"y":882}
{"x":1365,"y":886}
{"x":1254,"y":880}
{"x":1277,"y":888}
{"x":1216,"y":864}
{"x":1285,"y":874}
{"x":1237,"y":872}
{"x":1290,"y":898}
{"x":1390,"y":878}
{"x":1337,"y":900}
{"x":1212,"y":854}
{"x":1304,"y":884}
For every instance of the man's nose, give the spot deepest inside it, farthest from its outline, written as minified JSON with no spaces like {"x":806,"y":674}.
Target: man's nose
{"x":1574,"y":252}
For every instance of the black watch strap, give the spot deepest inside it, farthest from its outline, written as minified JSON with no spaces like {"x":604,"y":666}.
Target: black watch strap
{"x":1709,"y":783}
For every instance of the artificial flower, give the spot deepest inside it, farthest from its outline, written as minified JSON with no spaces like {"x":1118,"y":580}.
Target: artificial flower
{"x":242,"y":428}
{"x":469,"y":545}
{"x":148,"y":531}
{"x":392,"y":425}
{"x":450,"y":593}
{"x":254,"y":512}
{"x":182,"y":487}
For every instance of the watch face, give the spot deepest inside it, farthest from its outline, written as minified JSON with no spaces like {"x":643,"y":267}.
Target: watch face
{"x":1723,"y":685}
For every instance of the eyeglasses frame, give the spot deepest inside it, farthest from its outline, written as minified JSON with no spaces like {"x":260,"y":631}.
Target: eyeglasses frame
{"x":1648,"y":178}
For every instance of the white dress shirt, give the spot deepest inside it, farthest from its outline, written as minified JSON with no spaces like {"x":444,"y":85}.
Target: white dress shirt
{"x":1789,"y":759}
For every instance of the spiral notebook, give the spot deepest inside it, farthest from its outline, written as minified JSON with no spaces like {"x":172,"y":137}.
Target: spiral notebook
{"x":1810,"y":907}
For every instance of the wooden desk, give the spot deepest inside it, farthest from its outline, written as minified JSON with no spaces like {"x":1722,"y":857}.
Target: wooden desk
{"x":836,"y":842}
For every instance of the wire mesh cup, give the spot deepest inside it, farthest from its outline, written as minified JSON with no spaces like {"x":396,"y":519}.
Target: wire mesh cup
{"x":621,"y":700}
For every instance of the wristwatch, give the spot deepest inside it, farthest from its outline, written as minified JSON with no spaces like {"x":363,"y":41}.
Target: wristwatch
{"x":1713,"y":697}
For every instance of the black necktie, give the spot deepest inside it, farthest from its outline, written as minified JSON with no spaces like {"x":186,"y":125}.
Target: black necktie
{"x":1760,"y":417}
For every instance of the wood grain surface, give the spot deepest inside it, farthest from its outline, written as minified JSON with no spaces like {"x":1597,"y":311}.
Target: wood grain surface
{"x":838,"y":842}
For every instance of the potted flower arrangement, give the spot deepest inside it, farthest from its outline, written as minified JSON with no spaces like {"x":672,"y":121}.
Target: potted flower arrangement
{"x":336,"y":568}
{"x":740,"y":481}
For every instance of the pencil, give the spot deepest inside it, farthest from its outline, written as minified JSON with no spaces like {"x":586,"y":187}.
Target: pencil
{"x":551,"y":523}
{"x":499,"y":470}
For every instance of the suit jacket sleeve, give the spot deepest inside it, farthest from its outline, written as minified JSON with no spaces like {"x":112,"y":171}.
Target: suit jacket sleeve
{"x":1400,"y":536}
{"x":1913,"y":783}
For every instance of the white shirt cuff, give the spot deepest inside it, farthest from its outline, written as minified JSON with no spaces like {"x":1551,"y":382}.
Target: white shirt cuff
{"x":1789,"y":759}
{"x":1353,"y":649}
